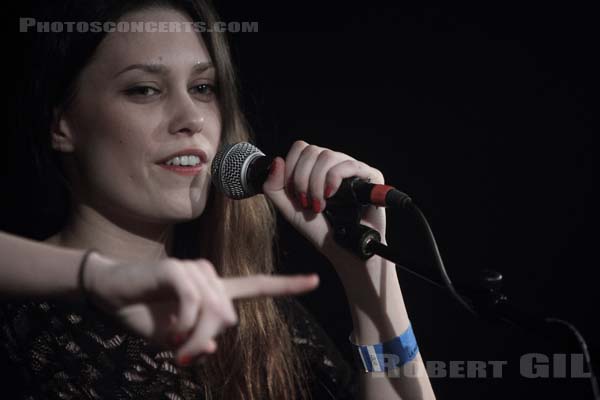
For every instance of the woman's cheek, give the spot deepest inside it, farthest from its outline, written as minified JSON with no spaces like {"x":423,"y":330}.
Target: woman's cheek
{"x":121,"y":165}
{"x":109,"y":176}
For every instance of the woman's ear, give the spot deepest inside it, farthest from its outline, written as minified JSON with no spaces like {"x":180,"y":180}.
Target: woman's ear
{"x":61,"y":133}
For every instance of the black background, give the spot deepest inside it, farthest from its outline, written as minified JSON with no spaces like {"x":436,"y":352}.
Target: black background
{"x":485,"y":115}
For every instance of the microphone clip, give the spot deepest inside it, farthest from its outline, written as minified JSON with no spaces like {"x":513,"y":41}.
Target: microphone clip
{"x":344,"y":217}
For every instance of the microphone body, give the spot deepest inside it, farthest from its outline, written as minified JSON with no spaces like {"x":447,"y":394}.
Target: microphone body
{"x":240,"y":170}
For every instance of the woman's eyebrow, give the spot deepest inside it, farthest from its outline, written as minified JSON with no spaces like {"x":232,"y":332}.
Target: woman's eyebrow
{"x":161,"y":69}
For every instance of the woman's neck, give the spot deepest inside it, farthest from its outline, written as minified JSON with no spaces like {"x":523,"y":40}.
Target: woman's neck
{"x":88,"y":228}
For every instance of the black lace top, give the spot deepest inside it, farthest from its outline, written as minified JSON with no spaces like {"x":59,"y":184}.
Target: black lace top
{"x":58,"y":351}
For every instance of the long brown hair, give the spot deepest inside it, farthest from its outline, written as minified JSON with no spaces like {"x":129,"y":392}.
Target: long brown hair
{"x":257,"y":359}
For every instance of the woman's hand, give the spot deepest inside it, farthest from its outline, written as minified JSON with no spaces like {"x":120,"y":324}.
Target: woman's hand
{"x":178,"y":304}
{"x":299,"y":185}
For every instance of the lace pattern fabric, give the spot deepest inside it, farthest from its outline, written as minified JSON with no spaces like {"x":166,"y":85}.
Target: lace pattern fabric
{"x":68,"y":352}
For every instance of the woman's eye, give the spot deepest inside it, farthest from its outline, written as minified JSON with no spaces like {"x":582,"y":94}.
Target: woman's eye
{"x":204,"y":89}
{"x":142,"y":91}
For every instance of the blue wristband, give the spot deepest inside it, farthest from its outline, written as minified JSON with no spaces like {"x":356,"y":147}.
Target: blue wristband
{"x":390,"y":355}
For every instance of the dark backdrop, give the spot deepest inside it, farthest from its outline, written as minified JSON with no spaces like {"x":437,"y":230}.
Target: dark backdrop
{"x":484,"y":115}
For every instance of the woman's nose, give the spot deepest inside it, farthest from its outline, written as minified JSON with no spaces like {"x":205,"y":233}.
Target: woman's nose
{"x":187,"y":117}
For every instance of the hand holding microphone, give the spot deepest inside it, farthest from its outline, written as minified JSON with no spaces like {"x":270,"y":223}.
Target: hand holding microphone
{"x":310,"y":180}
{"x":240,"y":170}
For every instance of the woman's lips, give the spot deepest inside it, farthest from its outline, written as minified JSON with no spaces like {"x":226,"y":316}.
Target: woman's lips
{"x":186,"y":152}
{"x":183,"y":170}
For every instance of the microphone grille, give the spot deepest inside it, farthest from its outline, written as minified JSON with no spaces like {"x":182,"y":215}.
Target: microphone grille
{"x":229,"y":169}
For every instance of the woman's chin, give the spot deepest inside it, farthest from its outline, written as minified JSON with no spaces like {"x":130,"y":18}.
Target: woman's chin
{"x":184,"y":211}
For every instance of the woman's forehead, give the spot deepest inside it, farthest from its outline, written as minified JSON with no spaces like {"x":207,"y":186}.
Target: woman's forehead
{"x":175,"y":50}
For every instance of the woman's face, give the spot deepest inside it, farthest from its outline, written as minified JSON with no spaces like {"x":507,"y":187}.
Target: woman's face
{"x":142,"y":99}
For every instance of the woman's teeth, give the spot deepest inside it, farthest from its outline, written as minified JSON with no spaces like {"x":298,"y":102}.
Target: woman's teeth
{"x":184,"y":160}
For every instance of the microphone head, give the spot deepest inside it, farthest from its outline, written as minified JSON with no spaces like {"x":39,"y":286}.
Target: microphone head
{"x":230,"y":169}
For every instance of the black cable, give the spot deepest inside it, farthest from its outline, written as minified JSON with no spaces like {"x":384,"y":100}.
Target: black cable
{"x":586,"y":353}
{"x":439,"y":262}
{"x":387,"y":253}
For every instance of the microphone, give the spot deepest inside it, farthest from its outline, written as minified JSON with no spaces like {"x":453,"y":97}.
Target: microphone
{"x":240,"y":170}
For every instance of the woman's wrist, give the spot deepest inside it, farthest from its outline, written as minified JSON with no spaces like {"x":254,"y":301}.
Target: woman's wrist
{"x":374,"y":298}
{"x":355,"y":273}
{"x":90,"y":278}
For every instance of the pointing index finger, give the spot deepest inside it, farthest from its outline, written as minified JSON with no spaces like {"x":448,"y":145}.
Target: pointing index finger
{"x":268,"y":285}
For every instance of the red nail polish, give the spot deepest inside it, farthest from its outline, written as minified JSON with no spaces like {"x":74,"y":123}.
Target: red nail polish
{"x":273,"y":167}
{"x":328,"y":191}
{"x":303,"y":200}
{"x":316,"y":204}
{"x":178,"y":339}
{"x":185,"y":360}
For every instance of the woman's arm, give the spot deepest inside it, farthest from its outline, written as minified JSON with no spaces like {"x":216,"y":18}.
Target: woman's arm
{"x":299,"y":186}
{"x":180,"y":304}
{"x":31,"y":269}
{"x":378,"y":315}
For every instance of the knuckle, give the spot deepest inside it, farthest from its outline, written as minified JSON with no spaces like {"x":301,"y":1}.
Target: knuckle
{"x":357,"y":164}
{"x":310,"y":150}
{"x":379,"y":175}
{"x":230,"y":317}
{"x":207,"y":266}
{"x":227,"y":315}
{"x":164,"y":263}
{"x":300,"y":142}
{"x":170,"y":271}
{"x":233,"y":319}
{"x":189,"y":295}
{"x":203,"y":262}
{"x":167,"y":266}
{"x":327,"y":155}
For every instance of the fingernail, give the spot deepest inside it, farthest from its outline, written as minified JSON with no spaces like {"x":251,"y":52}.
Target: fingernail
{"x":184,"y":360}
{"x":178,"y":339}
{"x":314,"y":278}
{"x":303,"y":200}
{"x":316,"y":204}
{"x":328,"y":191}
{"x":273,"y":167}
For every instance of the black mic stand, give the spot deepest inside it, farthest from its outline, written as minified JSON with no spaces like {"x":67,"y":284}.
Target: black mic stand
{"x":483,"y":298}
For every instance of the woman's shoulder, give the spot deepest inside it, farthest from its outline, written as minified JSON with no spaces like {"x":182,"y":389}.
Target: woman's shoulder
{"x":333,"y":376}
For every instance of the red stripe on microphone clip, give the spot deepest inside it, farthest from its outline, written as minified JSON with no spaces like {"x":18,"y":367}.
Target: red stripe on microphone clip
{"x":378,"y":194}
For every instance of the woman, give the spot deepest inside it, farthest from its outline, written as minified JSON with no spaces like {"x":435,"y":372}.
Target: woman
{"x":132,"y":121}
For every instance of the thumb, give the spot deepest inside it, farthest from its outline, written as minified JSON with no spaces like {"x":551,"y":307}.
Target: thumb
{"x":274,"y":187}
